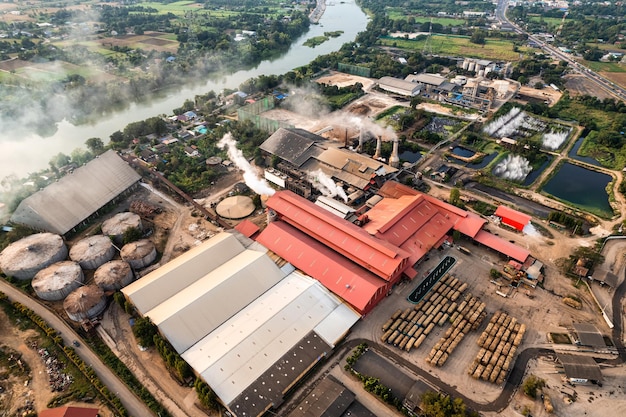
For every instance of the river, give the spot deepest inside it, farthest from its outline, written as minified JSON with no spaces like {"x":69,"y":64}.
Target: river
{"x":21,"y":154}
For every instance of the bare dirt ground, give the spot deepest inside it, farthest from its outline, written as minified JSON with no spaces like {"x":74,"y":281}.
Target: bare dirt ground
{"x":343,"y":80}
{"x":579,"y":85}
{"x":608,"y":400}
{"x":35,"y":387}
{"x":618,"y":78}
{"x":545,"y":94}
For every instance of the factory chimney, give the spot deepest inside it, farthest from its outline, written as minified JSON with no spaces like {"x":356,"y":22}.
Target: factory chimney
{"x":394,"y":159}
{"x":379,"y":144}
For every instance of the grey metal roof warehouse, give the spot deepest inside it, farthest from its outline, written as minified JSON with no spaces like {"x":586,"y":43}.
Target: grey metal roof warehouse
{"x":589,"y":335}
{"x":63,"y":205}
{"x":580,"y":367}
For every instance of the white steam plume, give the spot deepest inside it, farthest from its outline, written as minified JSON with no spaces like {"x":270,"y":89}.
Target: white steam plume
{"x":250,"y":176}
{"x":326,"y":185}
{"x":513,"y":167}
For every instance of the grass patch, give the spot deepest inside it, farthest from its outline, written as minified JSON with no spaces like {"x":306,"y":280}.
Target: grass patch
{"x":495,"y":49}
{"x":560,"y":338}
{"x":605,"y":66}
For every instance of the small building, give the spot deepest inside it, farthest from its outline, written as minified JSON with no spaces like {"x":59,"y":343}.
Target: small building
{"x":513,"y":218}
{"x":580,"y":369}
{"x":191,"y":152}
{"x":399,"y":86}
{"x":589,"y":336}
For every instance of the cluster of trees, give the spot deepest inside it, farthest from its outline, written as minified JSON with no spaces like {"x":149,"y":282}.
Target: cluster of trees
{"x":566,"y":220}
{"x":435,"y":404}
{"x":206,"y":396}
{"x":532,"y":385}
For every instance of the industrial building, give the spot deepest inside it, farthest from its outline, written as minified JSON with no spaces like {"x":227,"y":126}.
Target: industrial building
{"x":302,"y":152}
{"x":75,"y":198}
{"x":361,"y":261}
{"x":399,"y":86}
{"x":580,"y":369}
{"x":512,"y":218}
{"x":250,"y":329}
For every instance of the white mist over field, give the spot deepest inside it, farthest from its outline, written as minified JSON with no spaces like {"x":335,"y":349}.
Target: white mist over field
{"x":553,"y":140}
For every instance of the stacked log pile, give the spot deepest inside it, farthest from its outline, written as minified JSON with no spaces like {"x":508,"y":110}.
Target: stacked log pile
{"x":499,"y":343}
{"x":407,"y":329}
{"x":467,"y":317}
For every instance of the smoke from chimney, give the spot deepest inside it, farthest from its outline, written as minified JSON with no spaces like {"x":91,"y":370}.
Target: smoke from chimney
{"x":250,"y":176}
{"x":325,"y":185}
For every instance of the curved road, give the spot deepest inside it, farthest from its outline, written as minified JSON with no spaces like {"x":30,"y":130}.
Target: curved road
{"x":132,"y":403}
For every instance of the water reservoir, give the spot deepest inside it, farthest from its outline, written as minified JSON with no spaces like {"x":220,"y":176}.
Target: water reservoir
{"x":582,"y":188}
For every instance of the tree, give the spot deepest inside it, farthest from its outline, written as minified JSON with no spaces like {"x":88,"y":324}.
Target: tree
{"x":434,"y":404}
{"x":144,"y":331}
{"x":455,"y":196}
{"x":132,"y":234}
{"x":95,"y":145}
{"x":532,"y":384}
{"x":478,"y":37}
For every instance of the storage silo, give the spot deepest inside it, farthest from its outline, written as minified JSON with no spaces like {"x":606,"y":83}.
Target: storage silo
{"x":57,"y":281}
{"x":24,"y":258}
{"x":139,"y":254}
{"x":85,"y":303}
{"x":92,"y":251}
{"x":117,"y":225}
{"x":471,"y":65}
{"x":113,"y":275}
{"x":465,"y":64}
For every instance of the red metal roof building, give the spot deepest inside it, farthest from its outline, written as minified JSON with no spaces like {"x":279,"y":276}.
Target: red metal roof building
{"x":355,"y":284}
{"x":463,"y":221}
{"x":512,"y":218}
{"x":382,"y":258}
{"x":69,"y":412}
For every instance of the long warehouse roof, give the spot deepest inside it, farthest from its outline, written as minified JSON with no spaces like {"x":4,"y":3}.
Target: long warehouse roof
{"x":63,"y":205}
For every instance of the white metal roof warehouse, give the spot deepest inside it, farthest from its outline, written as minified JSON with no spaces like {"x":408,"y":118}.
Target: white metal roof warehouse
{"x":249,"y":328}
{"x":63,"y":205}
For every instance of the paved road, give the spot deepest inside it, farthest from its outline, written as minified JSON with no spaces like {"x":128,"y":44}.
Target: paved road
{"x":603,"y":83}
{"x":133,"y":404}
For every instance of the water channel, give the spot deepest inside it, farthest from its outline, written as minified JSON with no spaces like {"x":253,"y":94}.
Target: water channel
{"x":582,"y":188}
{"x":21,"y":154}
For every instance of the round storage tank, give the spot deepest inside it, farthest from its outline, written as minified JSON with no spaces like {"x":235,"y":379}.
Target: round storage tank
{"x":139,"y":254}
{"x":55,"y":282}
{"x":24,"y":258}
{"x":471,"y":66}
{"x":117,"y":225}
{"x":236,"y":207}
{"x":92,"y":251}
{"x":113,"y":275}
{"x":85,"y":303}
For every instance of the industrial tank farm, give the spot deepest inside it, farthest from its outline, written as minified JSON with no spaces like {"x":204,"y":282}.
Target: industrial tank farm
{"x":92,"y":251}
{"x":139,"y":254}
{"x":85,"y":303}
{"x":57,"y":281}
{"x":24,"y":258}
{"x":117,"y":225}
{"x":113,"y":275}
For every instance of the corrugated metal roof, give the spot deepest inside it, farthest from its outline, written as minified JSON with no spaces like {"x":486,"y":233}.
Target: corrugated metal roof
{"x":503,"y":246}
{"x":382,"y":258}
{"x":505,"y":212}
{"x":580,"y":367}
{"x":357,"y":285}
{"x":247,"y":228}
{"x":159,"y":285}
{"x":589,"y":335}
{"x":61,"y":206}
{"x":184,"y":317}
{"x":295,"y":146}
{"x":69,"y":412}
{"x":431,"y":79}
{"x":239,"y":351}
{"x":398,"y":83}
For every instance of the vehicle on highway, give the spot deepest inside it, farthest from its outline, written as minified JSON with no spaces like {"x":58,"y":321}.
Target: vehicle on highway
{"x":76,"y":343}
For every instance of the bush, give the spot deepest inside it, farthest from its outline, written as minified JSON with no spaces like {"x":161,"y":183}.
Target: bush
{"x":532,"y":384}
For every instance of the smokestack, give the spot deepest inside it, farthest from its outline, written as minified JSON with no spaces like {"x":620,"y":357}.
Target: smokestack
{"x":394,"y":159}
{"x":379,"y":144}
{"x":345,"y":138}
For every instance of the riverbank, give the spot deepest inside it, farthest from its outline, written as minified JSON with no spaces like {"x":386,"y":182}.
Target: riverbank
{"x":318,"y":12}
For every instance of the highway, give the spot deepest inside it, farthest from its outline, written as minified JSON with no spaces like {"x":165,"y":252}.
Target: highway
{"x":605,"y":84}
{"x":134,"y":406}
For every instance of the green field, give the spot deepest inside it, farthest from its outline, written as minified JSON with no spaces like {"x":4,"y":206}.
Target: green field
{"x":495,"y":49}
{"x":444,"y":21}
{"x":605,"y":66}
{"x":177,"y":8}
{"x":552,"y":22}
